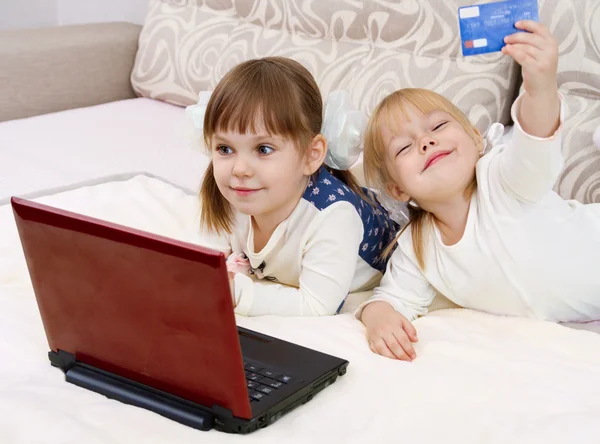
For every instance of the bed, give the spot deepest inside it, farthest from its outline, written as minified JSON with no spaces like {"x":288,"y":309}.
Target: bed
{"x":478,"y":378}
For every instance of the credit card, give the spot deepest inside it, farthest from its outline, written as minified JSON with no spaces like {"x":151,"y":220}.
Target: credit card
{"x":483,"y":27}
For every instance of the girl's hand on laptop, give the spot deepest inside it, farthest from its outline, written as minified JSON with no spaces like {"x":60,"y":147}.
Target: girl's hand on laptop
{"x":389,"y":333}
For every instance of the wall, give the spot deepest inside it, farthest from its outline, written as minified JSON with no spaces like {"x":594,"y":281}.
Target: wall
{"x":34,"y":13}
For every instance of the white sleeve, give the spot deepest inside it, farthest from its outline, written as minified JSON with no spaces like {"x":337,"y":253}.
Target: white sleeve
{"x":529,"y":166}
{"x":404,"y":287}
{"x":327,"y":270}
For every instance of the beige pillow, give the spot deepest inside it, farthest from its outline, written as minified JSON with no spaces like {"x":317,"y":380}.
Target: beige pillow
{"x":370,"y":48}
{"x":576,"y":26}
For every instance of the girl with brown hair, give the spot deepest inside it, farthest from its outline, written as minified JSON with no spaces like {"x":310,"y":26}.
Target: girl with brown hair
{"x":302,"y":235}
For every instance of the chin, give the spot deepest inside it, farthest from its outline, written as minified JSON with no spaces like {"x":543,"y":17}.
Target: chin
{"x":246,"y":209}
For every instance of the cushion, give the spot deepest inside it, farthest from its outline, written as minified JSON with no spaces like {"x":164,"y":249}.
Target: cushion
{"x":370,"y":48}
{"x":576,"y":26}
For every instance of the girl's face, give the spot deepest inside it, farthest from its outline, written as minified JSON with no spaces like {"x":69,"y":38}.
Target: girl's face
{"x":260,"y":174}
{"x":429,"y":157}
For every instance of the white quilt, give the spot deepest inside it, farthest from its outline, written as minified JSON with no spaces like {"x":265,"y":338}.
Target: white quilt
{"x":477,"y":378}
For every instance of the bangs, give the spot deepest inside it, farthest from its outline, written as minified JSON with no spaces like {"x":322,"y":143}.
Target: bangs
{"x":393,"y":111}
{"x":257,"y":96}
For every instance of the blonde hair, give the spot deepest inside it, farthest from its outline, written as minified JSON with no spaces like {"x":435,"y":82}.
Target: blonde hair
{"x":286,"y":99}
{"x":388,"y":113}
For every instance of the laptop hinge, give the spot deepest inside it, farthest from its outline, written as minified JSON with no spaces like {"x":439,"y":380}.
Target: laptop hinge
{"x":130,"y":392}
{"x":62,"y":359}
{"x":222,"y":412}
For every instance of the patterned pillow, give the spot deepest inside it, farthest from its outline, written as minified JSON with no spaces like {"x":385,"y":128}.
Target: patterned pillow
{"x":576,"y":26}
{"x":369,"y":48}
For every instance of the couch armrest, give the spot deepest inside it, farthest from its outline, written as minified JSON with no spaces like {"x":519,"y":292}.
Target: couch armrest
{"x":52,"y":69}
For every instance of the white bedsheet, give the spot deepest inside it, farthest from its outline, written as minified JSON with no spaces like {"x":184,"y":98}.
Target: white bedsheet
{"x":65,"y":148}
{"x":477,"y":378}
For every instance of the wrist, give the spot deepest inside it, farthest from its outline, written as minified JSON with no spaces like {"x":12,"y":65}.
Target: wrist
{"x":373,"y":309}
{"x":539,"y":114}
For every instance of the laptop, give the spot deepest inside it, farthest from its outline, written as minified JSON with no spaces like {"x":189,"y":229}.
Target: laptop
{"x":149,"y":321}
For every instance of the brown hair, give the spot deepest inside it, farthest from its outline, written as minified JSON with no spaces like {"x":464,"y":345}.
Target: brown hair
{"x":285,"y":96}
{"x":376,"y":173}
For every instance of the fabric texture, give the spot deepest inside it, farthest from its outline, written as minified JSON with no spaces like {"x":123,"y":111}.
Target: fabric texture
{"x":576,"y":26}
{"x":369,"y":48}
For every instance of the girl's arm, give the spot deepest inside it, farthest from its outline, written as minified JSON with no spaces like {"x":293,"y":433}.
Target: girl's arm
{"x":537,"y":52}
{"x":328,"y":265}
{"x":529,"y":167}
{"x":403,"y":287}
{"x":403,"y":295}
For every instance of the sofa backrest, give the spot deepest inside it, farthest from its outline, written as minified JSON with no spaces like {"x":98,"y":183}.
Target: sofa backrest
{"x":576,"y":26}
{"x":369,"y":48}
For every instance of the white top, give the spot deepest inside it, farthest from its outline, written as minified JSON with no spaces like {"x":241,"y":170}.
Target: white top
{"x":328,"y":247}
{"x":525,"y":251}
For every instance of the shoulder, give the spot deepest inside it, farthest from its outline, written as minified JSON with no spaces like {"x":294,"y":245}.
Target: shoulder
{"x":324,"y":190}
{"x":340,"y":216}
{"x":405,"y":251}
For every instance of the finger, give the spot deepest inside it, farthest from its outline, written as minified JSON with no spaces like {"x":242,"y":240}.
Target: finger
{"x":533,"y":26}
{"x":521,"y":56}
{"x":526,"y":38}
{"x":530,"y":50}
{"x":410,"y":330}
{"x":406,"y":345}
{"x":382,"y":349}
{"x":396,"y":348}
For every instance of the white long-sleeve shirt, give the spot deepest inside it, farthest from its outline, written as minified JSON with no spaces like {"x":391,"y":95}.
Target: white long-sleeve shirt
{"x":525,"y":251}
{"x":329,"y":246}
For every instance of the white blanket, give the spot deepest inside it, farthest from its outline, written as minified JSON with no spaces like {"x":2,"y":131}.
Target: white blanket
{"x":477,"y":378}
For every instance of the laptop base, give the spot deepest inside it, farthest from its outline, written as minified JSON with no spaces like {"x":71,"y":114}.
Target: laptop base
{"x":178,"y":409}
{"x":130,"y":392}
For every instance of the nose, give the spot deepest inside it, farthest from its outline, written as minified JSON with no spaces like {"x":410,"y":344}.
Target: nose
{"x":426,"y":143}
{"x":241,"y":167}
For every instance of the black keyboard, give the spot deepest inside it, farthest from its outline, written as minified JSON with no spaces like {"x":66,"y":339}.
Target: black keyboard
{"x":263,"y":381}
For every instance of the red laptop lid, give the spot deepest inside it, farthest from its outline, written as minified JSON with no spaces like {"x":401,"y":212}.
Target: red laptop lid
{"x":142,"y":306}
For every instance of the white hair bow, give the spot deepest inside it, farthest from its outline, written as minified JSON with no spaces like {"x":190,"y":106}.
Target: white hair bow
{"x":343,"y":127}
{"x":493,"y":137}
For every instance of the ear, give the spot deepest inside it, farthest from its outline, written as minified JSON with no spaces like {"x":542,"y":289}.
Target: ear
{"x":315,"y":155}
{"x":395,"y":191}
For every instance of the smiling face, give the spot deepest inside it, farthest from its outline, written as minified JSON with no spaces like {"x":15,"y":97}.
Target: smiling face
{"x":425,"y":152}
{"x":262,"y":130}
{"x":259,"y":174}
{"x":429,"y":157}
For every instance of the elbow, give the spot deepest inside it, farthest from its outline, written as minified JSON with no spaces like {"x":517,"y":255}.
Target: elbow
{"x":323,"y":308}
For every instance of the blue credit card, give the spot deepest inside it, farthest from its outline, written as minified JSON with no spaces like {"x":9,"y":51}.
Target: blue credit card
{"x":483,"y":27}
